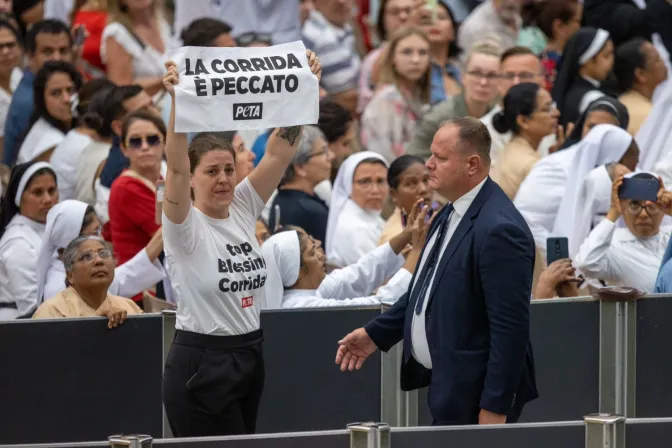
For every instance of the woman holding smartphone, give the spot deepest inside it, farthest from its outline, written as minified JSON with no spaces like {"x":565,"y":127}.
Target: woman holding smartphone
{"x":214,"y":373}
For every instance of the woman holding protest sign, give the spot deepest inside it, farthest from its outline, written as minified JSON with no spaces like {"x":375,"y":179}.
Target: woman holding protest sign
{"x":214,"y":374}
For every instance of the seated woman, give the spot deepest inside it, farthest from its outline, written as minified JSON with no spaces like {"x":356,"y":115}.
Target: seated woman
{"x":296,"y":264}
{"x":89,"y":264}
{"x":530,"y":114}
{"x":67,"y":154}
{"x":70,"y":219}
{"x":31,"y":193}
{"x":132,"y":206}
{"x":388,"y":122}
{"x":604,"y":144}
{"x":586,"y":63}
{"x":54,"y":86}
{"x":631,"y":255}
{"x":354,"y":225}
{"x":408,"y":180}
{"x":296,"y":201}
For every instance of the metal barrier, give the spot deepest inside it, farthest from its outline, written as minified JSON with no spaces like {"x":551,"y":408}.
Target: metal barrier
{"x":595,"y":431}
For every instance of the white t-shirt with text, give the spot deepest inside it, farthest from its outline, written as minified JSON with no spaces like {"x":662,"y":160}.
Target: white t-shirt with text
{"x":216,"y":267}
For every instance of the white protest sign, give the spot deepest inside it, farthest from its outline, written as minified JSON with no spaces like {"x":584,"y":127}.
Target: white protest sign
{"x":227,"y":89}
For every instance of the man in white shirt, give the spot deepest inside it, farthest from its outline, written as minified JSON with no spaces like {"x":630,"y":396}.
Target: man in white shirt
{"x":630,"y":255}
{"x":495,"y":20}
{"x":465,"y":320}
{"x":517,"y":65}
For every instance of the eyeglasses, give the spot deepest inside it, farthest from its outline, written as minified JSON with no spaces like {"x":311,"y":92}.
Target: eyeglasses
{"x":523,"y":76}
{"x":368,"y":183}
{"x":152,"y":140}
{"x":246,"y":39}
{"x":635,"y":208}
{"x":322,"y":152}
{"x":480,"y":75}
{"x":548,"y":109}
{"x":89,"y":256}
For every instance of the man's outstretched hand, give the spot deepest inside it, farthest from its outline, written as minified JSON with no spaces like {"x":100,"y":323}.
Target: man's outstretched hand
{"x":354,"y":349}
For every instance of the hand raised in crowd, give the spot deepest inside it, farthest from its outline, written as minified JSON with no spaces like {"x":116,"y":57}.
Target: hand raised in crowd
{"x":560,"y":136}
{"x":664,"y":198}
{"x":354,"y":349}
{"x":615,"y":211}
{"x":115,"y":317}
{"x":171,"y":78}
{"x":314,"y":63}
{"x":617,"y":169}
{"x":559,"y":279}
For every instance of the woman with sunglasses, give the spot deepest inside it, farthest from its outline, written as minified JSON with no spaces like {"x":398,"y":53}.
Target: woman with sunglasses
{"x":70,"y":219}
{"x":132,"y":205}
{"x":89,"y":263}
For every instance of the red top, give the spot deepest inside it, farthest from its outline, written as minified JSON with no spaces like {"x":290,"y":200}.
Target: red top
{"x":94,"y":22}
{"x":132,"y":209}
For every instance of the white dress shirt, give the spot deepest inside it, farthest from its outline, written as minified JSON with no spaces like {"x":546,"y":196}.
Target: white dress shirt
{"x":617,"y":256}
{"x":418,"y":331}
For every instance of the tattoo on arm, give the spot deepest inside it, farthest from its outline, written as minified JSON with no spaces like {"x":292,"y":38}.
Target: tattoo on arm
{"x":290,"y":134}
{"x":170,"y":202}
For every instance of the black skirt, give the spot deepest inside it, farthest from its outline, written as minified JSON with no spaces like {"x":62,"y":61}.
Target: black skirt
{"x":212,"y":385}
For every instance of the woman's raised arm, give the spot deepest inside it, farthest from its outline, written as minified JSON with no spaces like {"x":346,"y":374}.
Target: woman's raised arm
{"x":280,"y":149}
{"x":177,"y":198}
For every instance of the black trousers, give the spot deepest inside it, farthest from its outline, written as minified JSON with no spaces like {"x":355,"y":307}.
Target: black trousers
{"x":212,"y":385}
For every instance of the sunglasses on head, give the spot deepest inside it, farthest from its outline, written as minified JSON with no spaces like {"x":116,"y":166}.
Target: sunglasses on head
{"x":136,"y":142}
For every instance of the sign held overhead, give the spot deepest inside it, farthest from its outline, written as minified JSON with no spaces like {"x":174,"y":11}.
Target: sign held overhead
{"x":244,"y":88}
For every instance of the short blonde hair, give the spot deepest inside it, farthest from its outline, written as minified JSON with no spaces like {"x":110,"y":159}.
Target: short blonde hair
{"x":487,"y":47}
{"x":388,"y":73}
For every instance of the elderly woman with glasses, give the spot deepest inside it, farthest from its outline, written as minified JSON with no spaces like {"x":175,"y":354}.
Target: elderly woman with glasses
{"x":296,"y":203}
{"x":90,"y":267}
{"x":629,"y":255}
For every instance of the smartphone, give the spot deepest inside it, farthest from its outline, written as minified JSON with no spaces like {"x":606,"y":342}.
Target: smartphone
{"x":557,"y":248}
{"x":639,"y":189}
{"x":160,"y":192}
{"x":80,"y":36}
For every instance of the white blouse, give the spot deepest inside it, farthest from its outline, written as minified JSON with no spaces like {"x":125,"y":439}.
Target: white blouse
{"x":357,"y":234}
{"x":353,"y":284}
{"x":19,"y":248}
{"x":64,"y":159}
{"x":41,"y":137}
{"x":6,"y":97}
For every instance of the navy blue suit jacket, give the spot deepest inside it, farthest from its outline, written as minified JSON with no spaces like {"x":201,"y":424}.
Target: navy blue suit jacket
{"x":477,"y":318}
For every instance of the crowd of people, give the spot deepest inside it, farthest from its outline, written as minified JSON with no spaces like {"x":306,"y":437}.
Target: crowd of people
{"x":104,"y":204}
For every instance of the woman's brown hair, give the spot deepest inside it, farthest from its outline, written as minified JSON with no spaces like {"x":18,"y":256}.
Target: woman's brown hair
{"x":388,"y":73}
{"x":142,"y":115}
{"x":204,"y":143}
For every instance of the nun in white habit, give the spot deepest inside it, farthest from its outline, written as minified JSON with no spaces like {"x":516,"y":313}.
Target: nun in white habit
{"x":548,"y":195}
{"x":31,"y":192}
{"x":70,"y":219}
{"x":359,"y":192}
{"x":297,"y":278}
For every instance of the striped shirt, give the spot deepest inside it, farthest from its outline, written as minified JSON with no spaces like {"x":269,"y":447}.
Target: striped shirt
{"x":336,"y":48}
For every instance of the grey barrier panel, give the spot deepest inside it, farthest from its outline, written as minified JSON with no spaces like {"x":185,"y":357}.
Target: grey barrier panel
{"x":325,"y":439}
{"x":565,"y":339}
{"x":653,"y":363}
{"x":648,"y":433}
{"x":529,"y":435}
{"x":76,"y":380}
{"x":304,"y":389}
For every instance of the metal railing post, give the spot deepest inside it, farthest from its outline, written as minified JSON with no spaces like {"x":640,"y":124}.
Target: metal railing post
{"x":369,"y":435}
{"x":130,"y":441}
{"x":605,"y":431}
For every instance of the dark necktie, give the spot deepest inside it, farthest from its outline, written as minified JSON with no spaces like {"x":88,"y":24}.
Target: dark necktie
{"x":433,"y":258}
